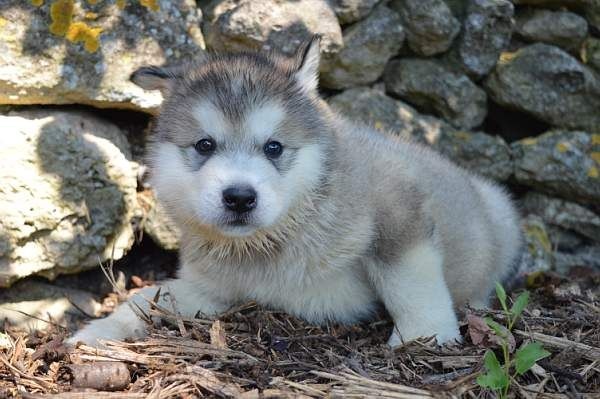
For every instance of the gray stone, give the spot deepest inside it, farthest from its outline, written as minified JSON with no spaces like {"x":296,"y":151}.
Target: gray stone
{"x":234,"y":25}
{"x":587,"y":257}
{"x":563,"y":239}
{"x":35,"y":305}
{"x":37,"y":67}
{"x":591,"y":53}
{"x":430,"y":86}
{"x":374,"y":108}
{"x":68,"y":193}
{"x":349,"y":11}
{"x":566,"y":163}
{"x":477,"y":152}
{"x":549,"y":84}
{"x":429,"y":24}
{"x":486,"y":33}
{"x":368,"y":45}
{"x":564,"y":214}
{"x":589,"y":8}
{"x":156,"y":223}
{"x":560,"y":28}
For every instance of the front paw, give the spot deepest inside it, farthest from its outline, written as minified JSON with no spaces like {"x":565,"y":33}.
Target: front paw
{"x":447,"y":335}
{"x":123,"y":323}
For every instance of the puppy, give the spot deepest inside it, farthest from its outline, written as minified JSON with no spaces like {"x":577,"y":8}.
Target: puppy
{"x":282,"y":201}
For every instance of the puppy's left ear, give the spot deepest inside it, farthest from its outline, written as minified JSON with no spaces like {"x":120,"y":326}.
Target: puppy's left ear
{"x":307,"y":61}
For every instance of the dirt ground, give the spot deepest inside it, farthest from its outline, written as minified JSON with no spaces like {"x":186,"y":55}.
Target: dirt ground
{"x":251,"y":352}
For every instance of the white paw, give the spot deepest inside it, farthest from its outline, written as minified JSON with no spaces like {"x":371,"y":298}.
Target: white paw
{"x":442,"y":336}
{"x":123,"y":323}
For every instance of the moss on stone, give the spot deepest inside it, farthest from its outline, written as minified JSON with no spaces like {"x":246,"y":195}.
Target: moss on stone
{"x":539,"y":236}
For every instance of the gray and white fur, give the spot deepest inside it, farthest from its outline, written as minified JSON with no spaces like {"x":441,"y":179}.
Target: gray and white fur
{"x":343,"y":219}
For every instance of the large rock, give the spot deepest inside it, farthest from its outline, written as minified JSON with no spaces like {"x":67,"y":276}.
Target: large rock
{"x":549,"y":84}
{"x":478,"y":152}
{"x":37,"y":67}
{"x":589,"y":8}
{"x":234,"y":25}
{"x":566,"y":163}
{"x":349,"y":11}
{"x":374,"y":108}
{"x":368,"y":45}
{"x":486,"y":33}
{"x":564,"y":214}
{"x":433,"y":88}
{"x":430,"y":25}
{"x":560,"y":28}
{"x":68,"y":193}
{"x":35,"y":305}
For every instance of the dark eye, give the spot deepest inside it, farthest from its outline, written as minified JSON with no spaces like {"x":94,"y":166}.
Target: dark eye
{"x":205,"y":146}
{"x":273,"y":149}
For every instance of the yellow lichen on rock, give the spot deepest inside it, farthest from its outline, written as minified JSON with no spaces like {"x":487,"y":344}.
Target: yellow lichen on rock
{"x":595,"y":156}
{"x":593,"y":172}
{"x":121,"y":4}
{"x":81,"y":32}
{"x":595,"y":139}
{"x":151,"y":4}
{"x":37,"y":3}
{"x":61,"y":12}
{"x":562,"y":147}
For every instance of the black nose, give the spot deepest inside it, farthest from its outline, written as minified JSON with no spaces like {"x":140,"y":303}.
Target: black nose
{"x":239,"y":199}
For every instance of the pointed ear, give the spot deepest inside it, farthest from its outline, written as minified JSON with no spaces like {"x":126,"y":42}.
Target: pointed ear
{"x":156,"y":78}
{"x":164,"y":78}
{"x":307,"y":61}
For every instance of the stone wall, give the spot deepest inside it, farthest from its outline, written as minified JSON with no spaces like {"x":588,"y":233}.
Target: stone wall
{"x":510,"y":90}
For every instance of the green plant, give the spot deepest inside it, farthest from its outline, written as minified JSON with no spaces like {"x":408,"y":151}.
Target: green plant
{"x":498,"y":376}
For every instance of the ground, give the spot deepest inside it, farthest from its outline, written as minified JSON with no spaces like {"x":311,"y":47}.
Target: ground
{"x":252,"y":352}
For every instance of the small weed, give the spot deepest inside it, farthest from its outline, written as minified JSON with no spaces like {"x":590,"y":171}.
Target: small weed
{"x":498,"y":376}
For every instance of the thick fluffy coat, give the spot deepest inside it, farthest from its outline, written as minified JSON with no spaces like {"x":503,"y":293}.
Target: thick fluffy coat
{"x":333,"y":218}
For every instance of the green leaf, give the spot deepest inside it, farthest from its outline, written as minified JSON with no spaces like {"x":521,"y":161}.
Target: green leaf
{"x":494,"y":378}
{"x":527,"y":355}
{"x":499,"y":329}
{"x":519,"y":305}
{"x":501,"y":294}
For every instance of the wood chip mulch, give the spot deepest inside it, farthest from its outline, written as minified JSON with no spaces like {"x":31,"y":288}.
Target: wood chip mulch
{"x":251,"y":352}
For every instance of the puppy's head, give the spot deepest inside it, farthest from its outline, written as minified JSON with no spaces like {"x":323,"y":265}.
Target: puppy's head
{"x":240,"y":140}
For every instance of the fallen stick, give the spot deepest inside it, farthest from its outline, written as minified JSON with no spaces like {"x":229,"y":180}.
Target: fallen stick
{"x":587,"y":351}
{"x":102,"y":376}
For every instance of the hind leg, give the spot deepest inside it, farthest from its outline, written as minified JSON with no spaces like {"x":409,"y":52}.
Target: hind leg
{"x":415,"y":294}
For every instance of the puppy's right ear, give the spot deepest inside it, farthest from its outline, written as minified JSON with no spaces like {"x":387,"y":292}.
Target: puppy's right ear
{"x":164,"y":78}
{"x":156,"y":78}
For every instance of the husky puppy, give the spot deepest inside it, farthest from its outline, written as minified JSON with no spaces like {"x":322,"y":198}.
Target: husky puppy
{"x":282,"y":201}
